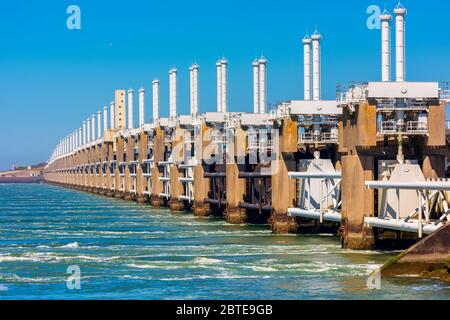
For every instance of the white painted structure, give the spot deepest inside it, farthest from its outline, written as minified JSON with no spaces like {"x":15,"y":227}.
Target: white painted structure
{"x":130,"y":108}
{"x":262,"y":85}
{"x":155,"y":87}
{"x":320,"y":194}
{"x":84,"y":133}
{"x":88,"y":130}
{"x":173,"y":92}
{"x":195,"y":68}
{"x":141,"y":107}
{"x":385,"y":46}
{"x":223,"y":74}
{"x":307,"y":67}
{"x":112,"y":124}
{"x":400,"y":13}
{"x":99,"y":124}
{"x":193,"y":76}
{"x":316,"y":37}
{"x":219,"y":86}
{"x":105,"y":118}
{"x":255,"y":65}
{"x":93,"y":127}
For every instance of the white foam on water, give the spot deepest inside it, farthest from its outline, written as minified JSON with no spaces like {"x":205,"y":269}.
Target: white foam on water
{"x":262,"y":269}
{"x":153,"y":266}
{"x":71,"y":245}
{"x":206,"y":261}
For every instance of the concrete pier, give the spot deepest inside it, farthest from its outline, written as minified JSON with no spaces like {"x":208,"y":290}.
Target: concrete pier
{"x":282,"y":186}
{"x":235,"y":186}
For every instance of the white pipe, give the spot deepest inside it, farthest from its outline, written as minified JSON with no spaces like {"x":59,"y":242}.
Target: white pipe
{"x":262,"y":85}
{"x":400,"y":225}
{"x":170,"y":93}
{"x":174,"y":93}
{"x":196,"y":69}
{"x":316,"y":37}
{"x":255,"y":86}
{"x":84,"y":133}
{"x":191,"y":87}
{"x":427,"y":185}
{"x":130,"y":109}
{"x":88,"y":129}
{"x":314,"y":215}
{"x":112,"y":124}
{"x":223,"y":72}
{"x":93,"y":127}
{"x":219,"y":86}
{"x":80,"y":137}
{"x":314,"y":175}
{"x":99,"y":124}
{"x":155,"y":88}
{"x":141,"y":107}
{"x":307,"y":67}
{"x":385,"y":46}
{"x":400,"y":13}
{"x":75,"y":142}
{"x":105,"y":118}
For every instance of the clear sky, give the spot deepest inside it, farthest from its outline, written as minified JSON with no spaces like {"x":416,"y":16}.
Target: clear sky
{"x":53,"y":78}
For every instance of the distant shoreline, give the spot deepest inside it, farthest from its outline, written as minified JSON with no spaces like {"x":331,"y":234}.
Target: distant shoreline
{"x":35,"y":179}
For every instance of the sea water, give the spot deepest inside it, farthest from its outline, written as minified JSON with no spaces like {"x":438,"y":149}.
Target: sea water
{"x":57,"y":243}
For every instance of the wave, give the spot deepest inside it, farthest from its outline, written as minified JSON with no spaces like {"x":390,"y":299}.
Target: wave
{"x":206,"y":261}
{"x":71,"y":245}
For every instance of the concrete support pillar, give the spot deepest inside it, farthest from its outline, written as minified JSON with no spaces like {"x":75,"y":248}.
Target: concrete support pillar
{"x":119,"y":147}
{"x":283,"y":188}
{"x":201,"y":184}
{"x":158,"y":155}
{"x":176,"y":187}
{"x":357,"y":201}
{"x":109,"y":178}
{"x":140,"y":181}
{"x":235,"y":185}
{"x":129,"y":146}
{"x":103,"y":179}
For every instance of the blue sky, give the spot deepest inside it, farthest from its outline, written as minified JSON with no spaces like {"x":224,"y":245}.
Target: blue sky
{"x":53,"y":78}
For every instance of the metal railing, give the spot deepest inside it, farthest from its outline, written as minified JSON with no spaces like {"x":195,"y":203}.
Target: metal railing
{"x":432,"y":202}
{"x":412,"y":127}
{"x":329,"y":188}
{"x":187,"y":182}
{"x":324,"y":137}
{"x":416,"y":127}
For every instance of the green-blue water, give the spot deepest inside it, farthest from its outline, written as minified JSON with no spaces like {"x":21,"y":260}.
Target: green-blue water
{"x":128,"y":251}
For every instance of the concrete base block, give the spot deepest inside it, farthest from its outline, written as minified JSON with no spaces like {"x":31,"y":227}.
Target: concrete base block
{"x":355,"y":242}
{"x":236,"y":215}
{"x":141,"y":199}
{"x":282,"y":224}
{"x":127,"y":196}
{"x":156,"y":201}
{"x":176,"y":205}
{"x":202,"y":209}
